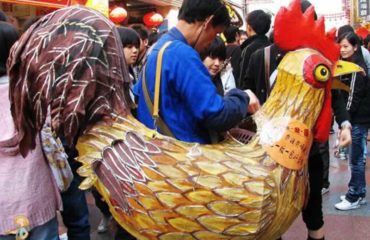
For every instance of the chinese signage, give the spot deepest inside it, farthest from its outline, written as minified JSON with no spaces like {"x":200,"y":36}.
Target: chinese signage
{"x":363,"y":8}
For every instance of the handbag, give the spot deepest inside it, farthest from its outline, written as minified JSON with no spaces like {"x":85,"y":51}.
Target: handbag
{"x":56,"y":157}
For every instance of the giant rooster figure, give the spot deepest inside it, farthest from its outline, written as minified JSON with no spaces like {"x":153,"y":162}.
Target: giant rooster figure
{"x":158,"y":187}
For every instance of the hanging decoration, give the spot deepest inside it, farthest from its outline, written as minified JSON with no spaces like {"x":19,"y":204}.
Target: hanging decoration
{"x":118,"y":15}
{"x":235,"y":17}
{"x":41,"y":3}
{"x":362,"y":31}
{"x":153,"y":19}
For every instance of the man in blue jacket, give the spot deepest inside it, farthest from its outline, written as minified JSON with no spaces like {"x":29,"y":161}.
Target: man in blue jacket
{"x":189,"y":104}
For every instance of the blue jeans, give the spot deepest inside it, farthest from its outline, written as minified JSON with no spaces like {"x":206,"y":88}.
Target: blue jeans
{"x":357,"y":154}
{"x":47,"y":231}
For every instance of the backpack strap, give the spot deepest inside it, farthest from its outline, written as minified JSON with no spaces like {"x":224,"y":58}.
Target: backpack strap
{"x":154,"y":108}
{"x":267,"y":70}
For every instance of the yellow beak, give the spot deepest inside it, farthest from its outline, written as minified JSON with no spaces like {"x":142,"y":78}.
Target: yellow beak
{"x":343,"y":68}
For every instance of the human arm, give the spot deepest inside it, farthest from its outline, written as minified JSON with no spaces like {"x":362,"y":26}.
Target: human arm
{"x":342,"y":118}
{"x":357,"y":92}
{"x":344,"y":136}
{"x":193,"y":84}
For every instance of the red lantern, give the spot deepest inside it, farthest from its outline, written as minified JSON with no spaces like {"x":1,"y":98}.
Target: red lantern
{"x":153,"y":19}
{"x":118,"y":15}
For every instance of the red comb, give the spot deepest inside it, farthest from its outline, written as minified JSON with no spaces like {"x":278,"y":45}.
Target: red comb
{"x":294,"y":29}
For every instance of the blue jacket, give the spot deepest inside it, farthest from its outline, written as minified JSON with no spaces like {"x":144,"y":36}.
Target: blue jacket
{"x":189,"y":103}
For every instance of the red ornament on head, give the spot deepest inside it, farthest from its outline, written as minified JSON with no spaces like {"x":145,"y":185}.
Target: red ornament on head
{"x":294,"y":29}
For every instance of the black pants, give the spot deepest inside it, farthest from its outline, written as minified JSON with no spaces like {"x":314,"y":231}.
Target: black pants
{"x":325,"y":155}
{"x":103,"y":206}
{"x":312,"y":214}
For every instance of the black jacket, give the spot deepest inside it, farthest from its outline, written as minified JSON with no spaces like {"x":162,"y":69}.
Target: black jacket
{"x":248,"y":47}
{"x":234,"y":52}
{"x":257,"y":83}
{"x":255,"y":74}
{"x":358,"y":99}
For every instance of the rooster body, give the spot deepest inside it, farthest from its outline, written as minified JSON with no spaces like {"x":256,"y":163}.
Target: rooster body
{"x":161,"y":188}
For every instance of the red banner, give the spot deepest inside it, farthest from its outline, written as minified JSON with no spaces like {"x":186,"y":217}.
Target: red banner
{"x":43,"y":3}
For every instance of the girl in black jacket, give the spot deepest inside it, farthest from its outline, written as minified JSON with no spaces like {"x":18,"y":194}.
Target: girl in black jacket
{"x":358,"y":104}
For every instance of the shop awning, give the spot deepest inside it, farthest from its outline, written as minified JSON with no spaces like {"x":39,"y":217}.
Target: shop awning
{"x":41,"y":3}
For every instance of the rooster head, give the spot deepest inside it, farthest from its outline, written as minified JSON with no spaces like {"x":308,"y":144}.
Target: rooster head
{"x":307,"y":69}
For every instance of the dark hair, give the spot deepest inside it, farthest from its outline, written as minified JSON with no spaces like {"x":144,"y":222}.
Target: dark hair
{"x":3,"y":17}
{"x":8,"y":36}
{"x":153,"y":37}
{"x":306,"y":4}
{"x":29,"y":22}
{"x":351,"y":37}
{"x":217,"y":49}
{"x":128,"y":36}
{"x":345,"y":29}
{"x":141,"y":30}
{"x":259,"y":21}
{"x":192,"y":11}
{"x":230,"y":34}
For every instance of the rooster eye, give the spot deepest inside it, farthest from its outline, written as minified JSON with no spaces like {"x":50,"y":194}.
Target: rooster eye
{"x":322,"y":73}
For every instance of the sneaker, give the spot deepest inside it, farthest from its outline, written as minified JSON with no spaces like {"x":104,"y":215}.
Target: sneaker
{"x":324,"y":190}
{"x":63,"y":236}
{"x":103,"y":225}
{"x":345,"y":205}
{"x":362,"y":200}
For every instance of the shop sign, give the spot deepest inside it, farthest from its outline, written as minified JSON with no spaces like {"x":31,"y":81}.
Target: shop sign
{"x":363,"y":8}
{"x":44,"y":3}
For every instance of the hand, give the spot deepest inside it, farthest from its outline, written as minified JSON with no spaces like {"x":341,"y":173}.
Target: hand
{"x":345,"y":138}
{"x":254,"y":103}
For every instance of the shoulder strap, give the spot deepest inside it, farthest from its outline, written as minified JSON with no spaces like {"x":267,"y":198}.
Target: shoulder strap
{"x":267,"y":69}
{"x":154,"y":109}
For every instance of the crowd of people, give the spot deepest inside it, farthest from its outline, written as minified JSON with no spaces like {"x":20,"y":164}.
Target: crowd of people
{"x":212,"y":79}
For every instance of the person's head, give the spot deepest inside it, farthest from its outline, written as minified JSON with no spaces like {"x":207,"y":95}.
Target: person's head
{"x":306,"y":4}
{"x":344,"y":29}
{"x":143,"y":34}
{"x":3,"y":17}
{"x":153,"y":37}
{"x":8,"y":36}
{"x":232,"y":34}
{"x":29,"y":22}
{"x":258,"y":22}
{"x":349,"y":44}
{"x":214,"y":56}
{"x":131,"y":44}
{"x":243,"y":36}
{"x":210,"y":17}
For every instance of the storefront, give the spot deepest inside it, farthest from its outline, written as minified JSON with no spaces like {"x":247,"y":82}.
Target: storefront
{"x":21,"y":10}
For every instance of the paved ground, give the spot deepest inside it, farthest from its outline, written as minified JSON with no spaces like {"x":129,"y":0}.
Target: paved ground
{"x":353,"y":225}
